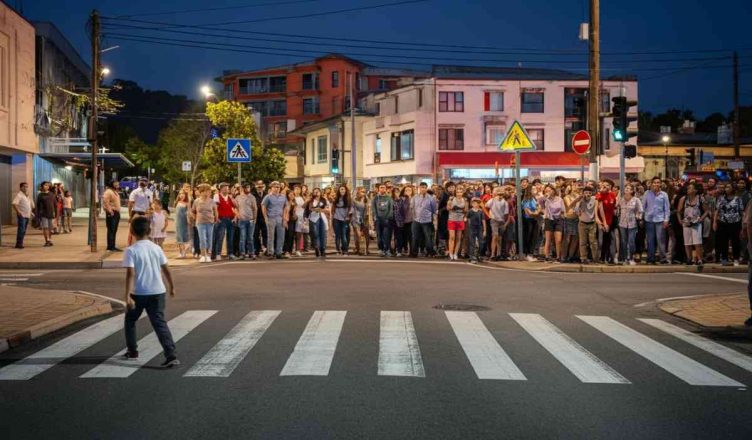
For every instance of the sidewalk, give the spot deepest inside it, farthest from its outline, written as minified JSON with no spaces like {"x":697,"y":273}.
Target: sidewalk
{"x":604,"y":268}
{"x":725,"y":312}
{"x":27,"y":314}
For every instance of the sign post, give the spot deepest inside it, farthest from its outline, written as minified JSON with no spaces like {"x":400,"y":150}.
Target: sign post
{"x":187,"y":166}
{"x":517,"y":140}
{"x":581,"y":143}
{"x":239,"y":151}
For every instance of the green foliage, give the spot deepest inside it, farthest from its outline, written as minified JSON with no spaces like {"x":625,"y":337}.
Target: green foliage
{"x":182,"y":140}
{"x":142,"y":154}
{"x":268,"y":163}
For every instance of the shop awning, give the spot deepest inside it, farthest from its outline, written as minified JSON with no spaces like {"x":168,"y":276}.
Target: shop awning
{"x":112,"y":160}
{"x":535,"y":159}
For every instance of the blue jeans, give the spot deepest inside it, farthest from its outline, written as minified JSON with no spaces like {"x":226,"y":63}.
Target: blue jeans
{"x":275,"y":229}
{"x":627,"y":249}
{"x":318,"y":235}
{"x":474,"y":243}
{"x":246,"y":228}
{"x":655,"y":233}
{"x":23,"y":223}
{"x":154,"y":305}
{"x":205,"y":233}
{"x":422,"y":231}
{"x":342,"y":234}
{"x":224,"y":225}
{"x":383,"y":234}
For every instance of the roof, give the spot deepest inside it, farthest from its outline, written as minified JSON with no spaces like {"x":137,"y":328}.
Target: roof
{"x":502,"y":73}
{"x":387,"y":71}
{"x":235,"y":73}
{"x":316,"y":125}
{"x":50,"y":32}
{"x":116,"y":160}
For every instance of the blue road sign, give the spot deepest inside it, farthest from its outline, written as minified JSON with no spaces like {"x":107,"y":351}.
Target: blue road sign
{"x":238,"y":150}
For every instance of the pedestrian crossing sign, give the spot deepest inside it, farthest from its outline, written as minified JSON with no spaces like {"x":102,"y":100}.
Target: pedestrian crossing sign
{"x":516,"y":139}
{"x":238,"y":150}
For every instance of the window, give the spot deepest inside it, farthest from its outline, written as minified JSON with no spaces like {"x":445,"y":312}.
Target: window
{"x":403,"y":145}
{"x":278,"y":108}
{"x":358,"y":85}
{"x":532,"y":102}
{"x":495,"y":134}
{"x":311,"y":106}
{"x":451,"y":139}
{"x":396,"y":104}
{"x":378,"y":108}
{"x":228,"y":89}
{"x":605,"y":101}
{"x":310,"y":81}
{"x":377,"y":149}
{"x":493,"y":101}
{"x":260,"y":107}
{"x":536,"y":135}
{"x":279,"y":129}
{"x":321,"y":150}
{"x":335,"y":79}
{"x":451,"y":102}
{"x":383,"y":84}
{"x":278,"y":84}
{"x":575,"y":103}
{"x":254,"y":85}
{"x":420,"y":98}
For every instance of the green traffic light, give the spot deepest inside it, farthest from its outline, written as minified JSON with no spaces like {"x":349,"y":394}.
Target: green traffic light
{"x":618,"y":135}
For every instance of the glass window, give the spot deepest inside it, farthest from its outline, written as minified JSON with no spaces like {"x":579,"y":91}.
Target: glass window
{"x":406,"y":145}
{"x":311,"y":106}
{"x":494,"y":134}
{"x":278,"y":108}
{"x":536,"y":135}
{"x":451,"y":101}
{"x":278,"y":84}
{"x":310,"y":81}
{"x":395,"y":150}
{"x":451,"y":139}
{"x":383,"y":85}
{"x":605,"y":101}
{"x":377,"y":149}
{"x":532,"y":102}
{"x":496,"y":101}
{"x":321,"y":150}
{"x":335,"y":79}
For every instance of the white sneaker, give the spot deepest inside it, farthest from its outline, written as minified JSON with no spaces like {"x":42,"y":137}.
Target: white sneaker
{"x":530,"y":258}
{"x":202,"y":259}
{"x":298,"y":254}
{"x":632,"y":263}
{"x":219,"y":258}
{"x":736,"y":263}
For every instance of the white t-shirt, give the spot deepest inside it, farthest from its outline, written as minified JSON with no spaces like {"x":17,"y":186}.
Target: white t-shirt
{"x":498,"y":209}
{"x":141,"y":199}
{"x":23,"y":204}
{"x":146,"y":259}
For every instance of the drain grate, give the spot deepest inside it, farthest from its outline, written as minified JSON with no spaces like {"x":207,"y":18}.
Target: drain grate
{"x":462,"y":307}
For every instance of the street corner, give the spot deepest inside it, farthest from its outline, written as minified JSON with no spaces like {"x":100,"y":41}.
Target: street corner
{"x":718,"y":313}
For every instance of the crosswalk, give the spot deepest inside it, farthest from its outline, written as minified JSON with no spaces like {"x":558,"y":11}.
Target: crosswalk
{"x":14,"y":278}
{"x":399,"y":351}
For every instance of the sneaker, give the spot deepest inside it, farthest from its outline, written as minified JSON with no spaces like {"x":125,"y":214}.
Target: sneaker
{"x":748,"y":322}
{"x":170,"y":362}
{"x":130,"y":355}
{"x":218,"y":258}
{"x":232,"y":257}
{"x":736,"y":263}
{"x":388,"y":254}
{"x":382,"y":254}
{"x":253,"y":257}
{"x":398,"y":254}
{"x":241,"y":258}
{"x":632,"y":263}
{"x":530,"y":258}
{"x":298,"y":254}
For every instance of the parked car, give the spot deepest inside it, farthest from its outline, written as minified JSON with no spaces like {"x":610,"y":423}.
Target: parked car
{"x":129,"y":183}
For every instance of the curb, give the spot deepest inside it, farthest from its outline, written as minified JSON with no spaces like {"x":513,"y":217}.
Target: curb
{"x":665,"y":306}
{"x":52,"y":325}
{"x":580,"y":268}
{"x":51,"y":265}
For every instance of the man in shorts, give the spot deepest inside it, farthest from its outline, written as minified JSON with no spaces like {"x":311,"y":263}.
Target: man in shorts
{"x":498,"y":210}
{"x":46,"y":212}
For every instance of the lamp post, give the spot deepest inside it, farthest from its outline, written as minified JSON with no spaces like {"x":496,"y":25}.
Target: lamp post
{"x":666,"y":140}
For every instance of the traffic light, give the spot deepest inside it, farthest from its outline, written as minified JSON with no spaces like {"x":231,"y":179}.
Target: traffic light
{"x":692,"y":157}
{"x":335,"y":161}
{"x":621,"y":118}
{"x":630,"y":151}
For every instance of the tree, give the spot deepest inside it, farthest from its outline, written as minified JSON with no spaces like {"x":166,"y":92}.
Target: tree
{"x":711,"y":123}
{"x":142,"y":154}
{"x":183,"y":139}
{"x":671,"y":118}
{"x":236,"y":122}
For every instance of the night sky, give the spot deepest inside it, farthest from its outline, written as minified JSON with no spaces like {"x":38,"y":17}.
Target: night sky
{"x":636,"y":26}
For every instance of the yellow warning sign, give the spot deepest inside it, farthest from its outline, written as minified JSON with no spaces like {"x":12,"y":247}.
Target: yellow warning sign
{"x":516,"y":139}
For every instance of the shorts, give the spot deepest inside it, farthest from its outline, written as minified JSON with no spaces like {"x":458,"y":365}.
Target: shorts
{"x":570,"y":226}
{"x":456,"y":226}
{"x":498,"y":228}
{"x":554,"y":225}
{"x":67,"y":212}
{"x":692,"y":234}
{"x":46,"y":223}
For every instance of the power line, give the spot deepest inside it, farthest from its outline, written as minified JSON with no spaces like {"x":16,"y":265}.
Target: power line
{"x":223,"y":8}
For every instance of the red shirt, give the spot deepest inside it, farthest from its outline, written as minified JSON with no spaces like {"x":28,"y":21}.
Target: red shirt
{"x":608,"y":201}
{"x":224,"y":207}
{"x":484,"y":198}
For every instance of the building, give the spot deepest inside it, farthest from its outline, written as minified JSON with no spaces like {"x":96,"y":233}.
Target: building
{"x":449,"y":126}
{"x":18,"y":143}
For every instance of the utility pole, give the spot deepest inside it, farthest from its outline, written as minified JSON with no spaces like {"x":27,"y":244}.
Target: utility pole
{"x":594,"y":93}
{"x":353,"y":153}
{"x":93,"y":129}
{"x":737,"y":128}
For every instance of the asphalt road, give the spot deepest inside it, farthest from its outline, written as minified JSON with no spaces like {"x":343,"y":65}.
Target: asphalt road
{"x":550,"y":355}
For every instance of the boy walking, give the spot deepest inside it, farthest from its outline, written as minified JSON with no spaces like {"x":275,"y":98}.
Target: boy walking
{"x":145,"y":264}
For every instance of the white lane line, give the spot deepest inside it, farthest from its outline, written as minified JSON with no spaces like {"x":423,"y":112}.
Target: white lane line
{"x":14,"y":279}
{"x":705,"y":344}
{"x":399,"y":353}
{"x":315,"y":349}
{"x":148,"y":347}
{"x":486,"y":356}
{"x":681,"y":366}
{"x":714,"y":277}
{"x":583,"y":364}
{"x":224,"y":357}
{"x":50,"y":356}
{"x":5,"y":274}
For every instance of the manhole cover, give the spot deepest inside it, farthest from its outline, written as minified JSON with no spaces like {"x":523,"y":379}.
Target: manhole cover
{"x":462,"y":307}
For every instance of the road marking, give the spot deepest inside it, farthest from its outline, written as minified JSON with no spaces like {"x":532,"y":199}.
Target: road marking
{"x":14,"y":279}
{"x":83,"y":292}
{"x":583,"y":364}
{"x":148,"y":347}
{"x":50,"y":356}
{"x":399,"y":353}
{"x":6,"y":274}
{"x":715,"y":277}
{"x":488,"y":359}
{"x":315,"y":349}
{"x":686,"y":369}
{"x":705,"y":344}
{"x":224,"y":357}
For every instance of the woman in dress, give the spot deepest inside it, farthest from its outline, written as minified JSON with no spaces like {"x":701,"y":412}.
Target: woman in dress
{"x":691,"y":214}
{"x":360,"y":220}
{"x":181,"y":223}
{"x":456,"y":208}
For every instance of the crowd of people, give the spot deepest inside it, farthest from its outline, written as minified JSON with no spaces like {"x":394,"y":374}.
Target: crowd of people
{"x":50,"y":210}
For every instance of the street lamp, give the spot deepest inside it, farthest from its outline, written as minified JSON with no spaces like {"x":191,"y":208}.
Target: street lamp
{"x":105,"y":71}
{"x":666,"y":140}
{"x":206,"y":91}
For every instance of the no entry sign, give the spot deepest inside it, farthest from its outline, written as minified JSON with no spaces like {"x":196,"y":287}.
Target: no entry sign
{"x":581,"y":142}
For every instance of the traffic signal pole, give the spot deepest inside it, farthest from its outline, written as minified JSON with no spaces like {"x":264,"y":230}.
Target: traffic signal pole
{"x":594,"y":90}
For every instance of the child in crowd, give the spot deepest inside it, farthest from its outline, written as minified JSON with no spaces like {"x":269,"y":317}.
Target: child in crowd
{"x":476,"y":223}
{"x":159,"y":222}
{"x":67,"y":212}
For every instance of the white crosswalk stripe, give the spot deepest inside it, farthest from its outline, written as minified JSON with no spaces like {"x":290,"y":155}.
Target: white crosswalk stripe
{"x":148,"y":347}
{"x":399,"y":353}
{"x":315,"y":349}
{"x":50,"y":356}
{"x":583,"y":364}
{"x":222,"y":360}
{"x":681,"y":366}
{"x":714,"y":348}
{"x":486,"y":356}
